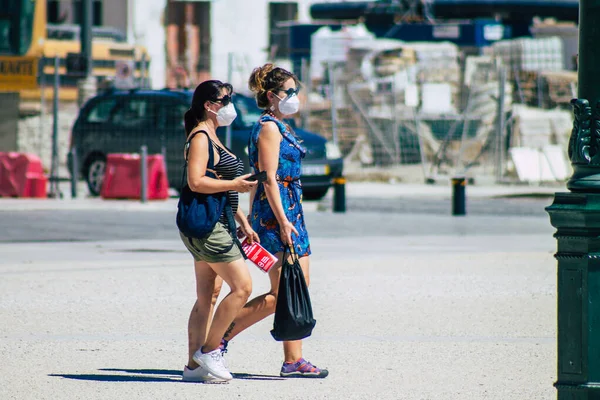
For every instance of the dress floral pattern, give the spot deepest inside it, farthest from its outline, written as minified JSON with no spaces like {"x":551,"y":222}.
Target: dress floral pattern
{"x":263,"y":219}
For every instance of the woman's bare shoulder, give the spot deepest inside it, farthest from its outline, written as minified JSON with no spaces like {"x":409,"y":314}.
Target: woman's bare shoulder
{"x":270,"y":129}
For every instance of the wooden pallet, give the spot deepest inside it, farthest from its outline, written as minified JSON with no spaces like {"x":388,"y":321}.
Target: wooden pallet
{"x":546,"y":89}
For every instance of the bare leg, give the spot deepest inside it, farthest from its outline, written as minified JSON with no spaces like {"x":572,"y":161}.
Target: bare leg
{"x":264,"y":305}
{"x":208,"y":287}
{"x":237,"y":276}
{"x":259,"y":307}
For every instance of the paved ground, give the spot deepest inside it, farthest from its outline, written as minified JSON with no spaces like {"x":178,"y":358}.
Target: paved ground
{"x":147,"y":224}
{"x":409,"y":306}
{"x":374,"y":197}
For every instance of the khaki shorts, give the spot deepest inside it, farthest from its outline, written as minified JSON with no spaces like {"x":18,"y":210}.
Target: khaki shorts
{"x":215,"y":248}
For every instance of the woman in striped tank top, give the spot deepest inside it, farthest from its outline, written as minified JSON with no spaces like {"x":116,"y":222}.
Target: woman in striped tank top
{"x":218,"y":256}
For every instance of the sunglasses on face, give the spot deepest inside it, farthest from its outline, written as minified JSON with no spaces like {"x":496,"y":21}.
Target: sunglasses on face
{"x":225,"y":100}
{"x":290,"y":92}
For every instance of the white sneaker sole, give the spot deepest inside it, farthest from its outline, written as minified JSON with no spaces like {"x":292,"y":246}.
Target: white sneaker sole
{"x":197,"y":379}
{"x":195,"y":375}
{"x":226,"y":376}
{"x":207,"y":380}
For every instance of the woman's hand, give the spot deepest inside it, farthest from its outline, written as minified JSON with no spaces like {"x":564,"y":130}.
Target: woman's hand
{"x":286,"y":230}
{"x":241,"y":185}
{"x":251,"y":236}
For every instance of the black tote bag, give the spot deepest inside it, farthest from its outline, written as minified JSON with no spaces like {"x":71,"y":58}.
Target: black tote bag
{"x":293,"y":313}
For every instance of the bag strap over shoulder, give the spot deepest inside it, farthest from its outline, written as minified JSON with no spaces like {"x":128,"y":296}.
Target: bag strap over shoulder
{"x":211,"y":157}
{"x":284,"y":131}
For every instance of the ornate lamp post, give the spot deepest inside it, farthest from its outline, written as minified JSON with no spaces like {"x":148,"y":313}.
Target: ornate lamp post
{"x":576,"y":216}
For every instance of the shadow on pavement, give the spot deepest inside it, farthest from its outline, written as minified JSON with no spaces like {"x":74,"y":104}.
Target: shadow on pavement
{"x":115,"y":378}
{"x":178,"y":373}
{"x":257,"y":377}
{"x":144,"y":371}
{"x":168,"y":375}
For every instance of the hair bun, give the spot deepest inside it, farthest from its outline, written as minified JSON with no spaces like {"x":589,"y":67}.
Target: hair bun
{"x":258,"y":78}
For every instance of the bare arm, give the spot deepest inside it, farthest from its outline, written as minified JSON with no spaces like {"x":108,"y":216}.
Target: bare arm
{"x":252,"y":194}
{"x":196,"y":173}
{"x":268,"y":160}
{"x":241,"y":218}
{"x":245,"y":226}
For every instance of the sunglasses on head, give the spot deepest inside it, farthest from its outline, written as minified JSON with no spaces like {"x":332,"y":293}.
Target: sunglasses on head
{"x":290,"y":92}
{"x":225,"y":100}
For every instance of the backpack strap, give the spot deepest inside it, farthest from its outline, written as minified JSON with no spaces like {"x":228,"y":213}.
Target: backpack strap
{"x":211,"y":157}
{"x":188,"y":142}
{"x":285,"y":132}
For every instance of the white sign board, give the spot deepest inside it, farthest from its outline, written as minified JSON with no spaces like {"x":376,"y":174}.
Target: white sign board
{"x":446,"y":32}
{"x":411,"y":95}
{"x":493,"y":33}
{"x":436,"y":98}
{"x":531,"y":165}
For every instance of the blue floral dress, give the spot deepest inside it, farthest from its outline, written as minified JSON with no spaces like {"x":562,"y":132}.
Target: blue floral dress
{"x":263,"y":219}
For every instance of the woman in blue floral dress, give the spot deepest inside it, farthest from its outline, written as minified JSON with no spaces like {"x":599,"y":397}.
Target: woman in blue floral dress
{"x":276,"y":205}
{"x":287,"y":176}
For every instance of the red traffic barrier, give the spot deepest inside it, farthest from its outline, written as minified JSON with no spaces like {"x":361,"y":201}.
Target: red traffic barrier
{"x":22,"y":175}
{"x":122,"y":179}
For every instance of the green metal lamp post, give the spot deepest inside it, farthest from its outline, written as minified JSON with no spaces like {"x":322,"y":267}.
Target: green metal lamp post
{"x":576,"y":216}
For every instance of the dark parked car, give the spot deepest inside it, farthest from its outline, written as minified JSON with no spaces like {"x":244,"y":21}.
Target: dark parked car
{"x":123,"y":121}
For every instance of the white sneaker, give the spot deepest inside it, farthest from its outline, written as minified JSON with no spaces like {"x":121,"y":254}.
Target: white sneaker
{"x":198,"y":374}
{"x":213,"y":362}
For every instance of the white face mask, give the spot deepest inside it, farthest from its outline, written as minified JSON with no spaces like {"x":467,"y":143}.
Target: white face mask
{"x":290,"y":105}
{"x":226,"y":115}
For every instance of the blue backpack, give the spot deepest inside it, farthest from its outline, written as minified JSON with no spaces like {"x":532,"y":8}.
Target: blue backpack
{"x":198,"y":213}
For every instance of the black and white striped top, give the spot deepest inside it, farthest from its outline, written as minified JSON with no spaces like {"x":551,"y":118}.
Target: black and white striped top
{"x":229,"y":168}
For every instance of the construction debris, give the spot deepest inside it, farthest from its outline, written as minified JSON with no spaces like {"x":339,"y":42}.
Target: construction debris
{"x":400,"y":103}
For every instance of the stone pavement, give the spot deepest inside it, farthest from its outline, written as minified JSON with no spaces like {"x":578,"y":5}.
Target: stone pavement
{"x":454,"y":313}
{"x":353,"y":190}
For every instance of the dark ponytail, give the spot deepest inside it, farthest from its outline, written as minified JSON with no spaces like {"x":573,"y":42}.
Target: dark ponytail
{"x":190,"y":121}
{"x":206,"y":91}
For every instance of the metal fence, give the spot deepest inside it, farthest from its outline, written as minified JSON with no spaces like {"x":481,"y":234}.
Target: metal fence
{"x":412,"y":111}
{"x":45,"y":124}
{"x":429,"y":111}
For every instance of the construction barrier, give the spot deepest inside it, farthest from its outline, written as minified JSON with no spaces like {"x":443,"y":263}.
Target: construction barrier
{"x":22,"y":175}
{"x":122,"y":179}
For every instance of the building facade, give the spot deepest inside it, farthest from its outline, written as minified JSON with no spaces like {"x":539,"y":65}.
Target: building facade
{"x":190,"y":41}
{"x":226,"y":39}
